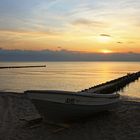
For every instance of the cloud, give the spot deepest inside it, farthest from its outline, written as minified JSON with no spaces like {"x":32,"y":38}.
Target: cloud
{"x":119,"y":42}
{"x":131,"y":42}
{"x":86,"y":22}
{"x":13,"y":39}
{"x":105,"y":35}
{"x":64,"y":55}
{"x":48,"y":32}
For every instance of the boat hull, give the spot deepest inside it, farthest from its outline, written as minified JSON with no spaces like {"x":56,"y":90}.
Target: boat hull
{"x":57,"y":112}
{"x":66,"y":106}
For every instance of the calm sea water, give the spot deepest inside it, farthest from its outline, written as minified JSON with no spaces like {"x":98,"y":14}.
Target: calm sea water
{"x":73,"y":76}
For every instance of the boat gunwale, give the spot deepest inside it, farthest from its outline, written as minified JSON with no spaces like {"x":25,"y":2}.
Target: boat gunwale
{"x":84,"y":94}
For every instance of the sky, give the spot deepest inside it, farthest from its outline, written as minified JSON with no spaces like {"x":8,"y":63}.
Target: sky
{"x":105,"y":26}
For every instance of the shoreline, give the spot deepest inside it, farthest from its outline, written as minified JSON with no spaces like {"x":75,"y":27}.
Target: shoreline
{"x":120,"y":124}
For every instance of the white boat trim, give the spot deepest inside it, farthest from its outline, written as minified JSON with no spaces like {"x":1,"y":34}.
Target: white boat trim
{"x":66,"y":97}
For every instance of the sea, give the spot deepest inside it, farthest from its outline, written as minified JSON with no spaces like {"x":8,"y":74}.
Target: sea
{"x":70,"y":76}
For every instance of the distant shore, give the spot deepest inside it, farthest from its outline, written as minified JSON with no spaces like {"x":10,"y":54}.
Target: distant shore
{"x":120,"y":124}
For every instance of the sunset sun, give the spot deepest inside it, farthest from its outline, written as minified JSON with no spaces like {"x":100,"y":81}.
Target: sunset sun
{"x":106,"y":51}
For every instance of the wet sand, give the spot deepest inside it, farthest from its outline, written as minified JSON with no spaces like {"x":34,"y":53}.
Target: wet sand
{"x":121,"y":124}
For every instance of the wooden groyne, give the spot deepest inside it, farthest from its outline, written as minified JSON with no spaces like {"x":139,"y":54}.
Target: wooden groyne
{"x":114,"y":85}
{"x":14,"y":67}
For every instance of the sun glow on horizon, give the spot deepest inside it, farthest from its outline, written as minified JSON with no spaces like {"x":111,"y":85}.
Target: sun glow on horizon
{"x":106,"y":51}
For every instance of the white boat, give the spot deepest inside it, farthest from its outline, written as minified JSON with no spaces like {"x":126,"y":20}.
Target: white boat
{"x":66,"y":105}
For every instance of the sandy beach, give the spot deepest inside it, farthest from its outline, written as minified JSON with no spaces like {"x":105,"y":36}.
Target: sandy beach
{"x":120,"y":124}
